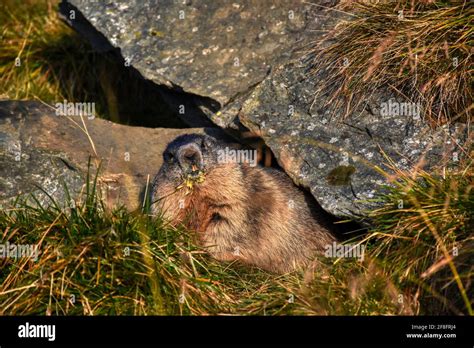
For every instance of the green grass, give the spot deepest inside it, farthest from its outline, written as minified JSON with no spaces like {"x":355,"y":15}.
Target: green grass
{"x":41,"y":58}
{"x":118,"y":262}
{"x":423,"y":235}
{"x":420,"y":50}
{"x":114,"y":262}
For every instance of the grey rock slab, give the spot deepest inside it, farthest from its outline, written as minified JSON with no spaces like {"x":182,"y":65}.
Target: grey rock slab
{"x":40,"y":150}
{"x":339,"y":159}
{"x":214,"y":49}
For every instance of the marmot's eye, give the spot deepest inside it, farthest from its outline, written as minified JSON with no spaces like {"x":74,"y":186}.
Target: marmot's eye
{"x":168,"y":157}
{"x":206,"y":144}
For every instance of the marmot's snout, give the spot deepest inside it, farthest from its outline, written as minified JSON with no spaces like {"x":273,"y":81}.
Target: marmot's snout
{"x":190,"y":160}
{"x":187,"y":157}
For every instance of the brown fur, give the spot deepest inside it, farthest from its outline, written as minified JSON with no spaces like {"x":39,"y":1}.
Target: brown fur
{"x":246,"y":213}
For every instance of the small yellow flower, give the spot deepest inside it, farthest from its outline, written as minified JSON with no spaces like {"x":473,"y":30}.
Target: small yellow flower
{"x":189,"y":182}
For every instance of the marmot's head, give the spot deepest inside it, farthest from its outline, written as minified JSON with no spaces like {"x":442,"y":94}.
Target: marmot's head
{"x":189,"y":156}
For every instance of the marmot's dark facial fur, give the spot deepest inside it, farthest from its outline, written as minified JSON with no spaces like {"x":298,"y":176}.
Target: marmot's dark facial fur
{"x":239,"y":212}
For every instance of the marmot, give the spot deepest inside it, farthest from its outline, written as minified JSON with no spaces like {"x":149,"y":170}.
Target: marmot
{"x":239,"y":212}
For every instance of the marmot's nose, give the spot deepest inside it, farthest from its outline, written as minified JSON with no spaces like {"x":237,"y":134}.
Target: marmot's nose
{"x":190,"y":159}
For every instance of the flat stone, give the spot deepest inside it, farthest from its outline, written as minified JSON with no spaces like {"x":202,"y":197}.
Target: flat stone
{"x":40,"y":150}
{"x":339,"y":159}
{"x":214,"y":49}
